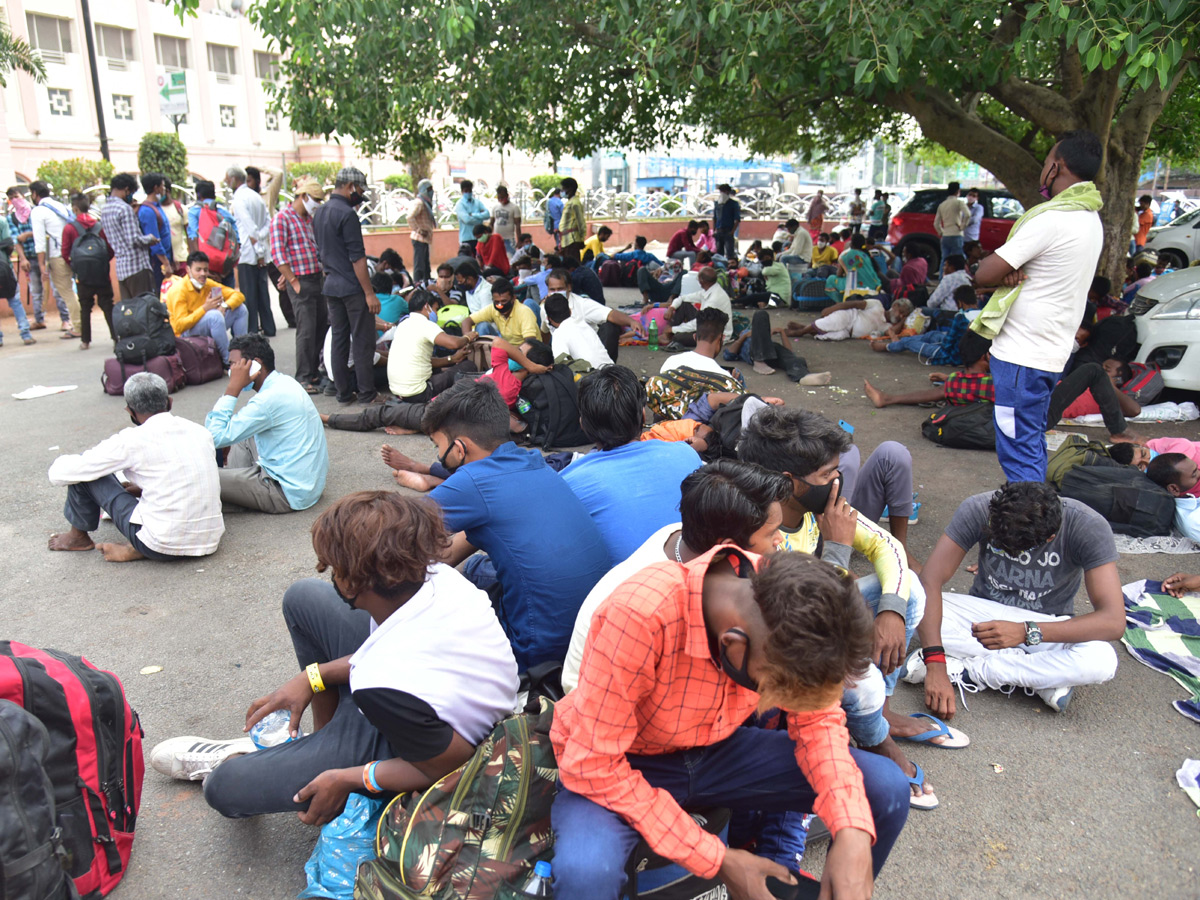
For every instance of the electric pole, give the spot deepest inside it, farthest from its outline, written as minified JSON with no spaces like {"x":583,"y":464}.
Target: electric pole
{"x":91,"y":48}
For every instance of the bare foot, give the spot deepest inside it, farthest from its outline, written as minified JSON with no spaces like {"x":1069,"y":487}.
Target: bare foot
{"x":84,"y":346}
{"x":71,"y":540}
{"x":876,"y":395}
{"x":763,"y":369}
{"x":906,"y":726}
{"x":398,"y":431}
{"x":879,"y":346}
{"x":973,"y":568}
{"x":516,"y":425}
{"x":892,"y":751}
{"x":415,"y":481}
{"x":324,"y":418}
{"x":394,"y":459}
{"x":816,"y":379}
{"x":119,"y":552}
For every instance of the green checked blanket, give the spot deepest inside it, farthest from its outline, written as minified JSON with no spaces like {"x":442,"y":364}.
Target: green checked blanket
{"x":1163,"y":632}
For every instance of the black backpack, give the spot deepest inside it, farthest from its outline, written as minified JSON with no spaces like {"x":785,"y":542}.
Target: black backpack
{"x":1132,"y":503}
{"x":968,"y":427}
{"x":142,"y":325}
{"x":31,"y":850}
{"x":726,"y":422}
{"x":553,"y":413}
{"x":89,"y":256}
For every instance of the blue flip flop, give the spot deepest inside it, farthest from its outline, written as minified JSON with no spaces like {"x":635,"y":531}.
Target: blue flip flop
{"x":957,"y":740}
{"x":922,"y":800}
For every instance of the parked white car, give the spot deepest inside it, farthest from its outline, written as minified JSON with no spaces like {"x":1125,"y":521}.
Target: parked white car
{"x":1178,"y":242}
{"x":1168,"y":326}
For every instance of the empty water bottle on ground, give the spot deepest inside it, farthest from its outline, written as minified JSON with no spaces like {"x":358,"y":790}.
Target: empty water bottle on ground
{"x":538,"y":884}
{"x":273,"y":729}
{"x":652,"y":334}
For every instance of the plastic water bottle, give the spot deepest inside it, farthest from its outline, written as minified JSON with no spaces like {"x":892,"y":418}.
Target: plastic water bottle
{"x":652,"y":334}
{"x":523,"y":406}
{"x":538,"y":884}
{"x":273,"y":729}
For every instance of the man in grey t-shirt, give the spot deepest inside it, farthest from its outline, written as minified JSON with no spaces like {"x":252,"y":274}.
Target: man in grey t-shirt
{"x":1015,"y":628}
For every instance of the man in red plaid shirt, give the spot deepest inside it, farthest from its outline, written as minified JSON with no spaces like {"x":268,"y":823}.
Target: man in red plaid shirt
{"x":676,"y":660}
{"x":971,"y":384}
{"x":294,"y":251}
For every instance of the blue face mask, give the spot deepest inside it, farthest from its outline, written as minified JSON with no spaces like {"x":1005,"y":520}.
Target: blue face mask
{"x":514,"y":366}
{"x":1153,"y":453}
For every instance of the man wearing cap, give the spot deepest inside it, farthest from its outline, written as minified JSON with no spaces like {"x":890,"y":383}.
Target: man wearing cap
{"x":421,"y":224}
{"x":294,"y":250}
{"x":348,"y":292}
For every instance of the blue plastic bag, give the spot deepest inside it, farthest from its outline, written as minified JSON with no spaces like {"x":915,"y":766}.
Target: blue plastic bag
{"x":344,"y":843}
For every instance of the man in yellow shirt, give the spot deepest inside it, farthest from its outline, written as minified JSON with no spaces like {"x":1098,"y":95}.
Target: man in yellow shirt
{"x":513,"y":321}
{"x":824,"y":254}
{"x":596,"y":244}
{"x":202,"y":307}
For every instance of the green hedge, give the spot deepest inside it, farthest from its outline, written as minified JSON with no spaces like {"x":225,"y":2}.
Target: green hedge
{"x":73,"y":175}
{"x":324,"y":172}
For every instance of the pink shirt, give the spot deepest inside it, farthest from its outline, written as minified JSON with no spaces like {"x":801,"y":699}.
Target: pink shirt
{"x":1190,"y":449}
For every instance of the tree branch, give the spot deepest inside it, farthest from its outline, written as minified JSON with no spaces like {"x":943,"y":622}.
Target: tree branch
{"x":1047,"y":109}
{"x":1072,"y":69}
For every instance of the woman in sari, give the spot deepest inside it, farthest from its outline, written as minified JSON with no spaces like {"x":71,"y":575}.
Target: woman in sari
{"x":856,"y":272}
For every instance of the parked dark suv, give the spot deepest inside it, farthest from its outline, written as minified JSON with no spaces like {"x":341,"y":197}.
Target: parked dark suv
{"x":914,"y":223}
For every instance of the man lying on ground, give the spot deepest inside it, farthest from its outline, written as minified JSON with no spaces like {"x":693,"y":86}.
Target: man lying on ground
{"x":277,"y":459}
{"x":169,"y":503}
{"x":401,"y":658}
{"x":1017,"y":629}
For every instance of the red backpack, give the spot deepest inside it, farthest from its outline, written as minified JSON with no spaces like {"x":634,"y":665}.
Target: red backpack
{"x":219,"y":246}
{"x":94,"y":763}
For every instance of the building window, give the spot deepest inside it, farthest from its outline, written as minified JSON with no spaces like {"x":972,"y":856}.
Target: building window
{"x":50,"y":36}
{"x":272,"y":121}
{"x":60,"y":102}
{"x":228,"y":116}
{"x":171,"y":52}
{"x":266,"y":65}
{"x":114,"y":43}
{"x":123,"y":107}
{"x":222,"y":60}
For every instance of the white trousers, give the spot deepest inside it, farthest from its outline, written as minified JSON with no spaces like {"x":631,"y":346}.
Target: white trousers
{"x":1047,"y":665}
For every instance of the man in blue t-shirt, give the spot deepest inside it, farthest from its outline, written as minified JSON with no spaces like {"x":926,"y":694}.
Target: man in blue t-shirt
{"x":631,"y":488}
{"x":545,"y":566}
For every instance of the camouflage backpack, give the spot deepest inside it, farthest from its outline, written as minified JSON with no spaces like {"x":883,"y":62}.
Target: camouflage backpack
{"x":476,"y":834}
{"x":670,"y":394}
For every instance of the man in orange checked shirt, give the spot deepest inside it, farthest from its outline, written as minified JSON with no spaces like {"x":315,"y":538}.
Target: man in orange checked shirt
{"x":676,"y":660}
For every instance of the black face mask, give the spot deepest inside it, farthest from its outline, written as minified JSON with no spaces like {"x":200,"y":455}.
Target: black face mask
{"x":349,"y":601}
{"x":357,"y":197}
{"x":816,"y":498}
{"x":504,"y":310}
{"x":445,"y":456}
{"x":134,"y":419}
{"x":740,"y":677}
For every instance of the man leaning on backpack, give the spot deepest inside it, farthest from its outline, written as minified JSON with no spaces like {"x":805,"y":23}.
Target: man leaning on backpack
{"x":87,"y":251}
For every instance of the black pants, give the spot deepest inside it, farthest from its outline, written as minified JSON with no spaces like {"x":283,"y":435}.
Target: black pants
{"x":655,"y":290}
{"x":763,"y":349}
{"x":726,"y":244}
{"x":610,"y":337}
{"x":763,"y":297}
{"x":322,"y":629}
{"x":349,"y":316}
{"x":137,"y":284}
{"x":312,"y":321}
{"x":98,"y":295}
{"x":285,"y":300}
{"x":420,"y":255}
{"x":252,"y":281}
{"x":403,"y":412}
{"x":685,"y":312}
{"x":1089,"y":376}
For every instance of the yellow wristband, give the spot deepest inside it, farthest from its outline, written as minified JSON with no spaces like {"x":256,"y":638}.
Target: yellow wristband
{"x":314,"y":678}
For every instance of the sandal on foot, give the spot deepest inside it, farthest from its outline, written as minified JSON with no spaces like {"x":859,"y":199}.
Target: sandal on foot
{"x":922,"y":800}
{"x":957,"y":740}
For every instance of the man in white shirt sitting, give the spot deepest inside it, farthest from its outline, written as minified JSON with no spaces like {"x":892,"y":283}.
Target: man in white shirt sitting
{"x":682,"y":314}
{"x":574,"y":337}
{"x":606,"y":322}
{"x":169,"y":505}
{"x":711,"y":326}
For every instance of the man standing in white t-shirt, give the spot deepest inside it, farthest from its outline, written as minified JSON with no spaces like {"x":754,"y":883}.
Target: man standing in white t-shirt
{"x":506,"y":219}
{"x":1051,"y":255}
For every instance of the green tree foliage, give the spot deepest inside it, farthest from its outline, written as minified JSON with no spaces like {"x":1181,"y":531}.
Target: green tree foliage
{"x":163,"y":151}
{"x":544,"y":183}
{"x":994,"y":82}
{"x":73,"y":175}
{"x":402,"y":182}
{"x":324,"y":172}
{"x":16,"y":54}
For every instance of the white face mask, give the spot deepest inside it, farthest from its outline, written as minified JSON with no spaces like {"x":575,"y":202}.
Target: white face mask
{"x":310,"y":205}
{"x":198,"y":285}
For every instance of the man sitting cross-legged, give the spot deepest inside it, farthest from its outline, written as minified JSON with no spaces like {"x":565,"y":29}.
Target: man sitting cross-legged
{"x":414,"y":373}
{"x":277,"y":460}
{"x":538,"y":584}
{"x":1015,"y":628}
{"x":200,"y":306}
{"x":169,"y":504}
{"x":675,"y":661}
{"x":629,"y":487}
{"x":402,"y":659}
{"x":807,"y":448}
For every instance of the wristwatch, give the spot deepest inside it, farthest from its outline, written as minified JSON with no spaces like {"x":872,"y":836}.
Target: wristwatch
{"x":1033,"y":634}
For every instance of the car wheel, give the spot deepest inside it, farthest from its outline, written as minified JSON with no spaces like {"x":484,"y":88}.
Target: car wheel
{"x":926,"y":248}
{"x":1174,"y":258}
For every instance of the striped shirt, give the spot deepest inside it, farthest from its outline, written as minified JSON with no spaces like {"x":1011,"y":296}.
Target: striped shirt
{"x":293,"y":243}
{"x":648,"y":685}
{"x":883,"y":551}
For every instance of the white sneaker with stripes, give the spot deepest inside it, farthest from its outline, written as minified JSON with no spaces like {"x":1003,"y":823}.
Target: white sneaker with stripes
{"x":190,"y":758}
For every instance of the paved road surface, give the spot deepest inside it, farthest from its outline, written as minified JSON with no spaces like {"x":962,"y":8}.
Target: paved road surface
{"x":1086,"y":806}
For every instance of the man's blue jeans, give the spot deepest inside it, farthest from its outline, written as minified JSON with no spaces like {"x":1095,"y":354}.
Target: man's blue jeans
{"x":916,"y":343}
{"x":217,"y":325}
{"x":952,"y":246}
{"x":1022,"y":402}
{"x":22,"y":320}
{"x":752,"y":769}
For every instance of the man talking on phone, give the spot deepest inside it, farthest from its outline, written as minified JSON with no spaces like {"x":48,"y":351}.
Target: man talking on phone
{"x":277,"y":460}
{"x":201,"y":307}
